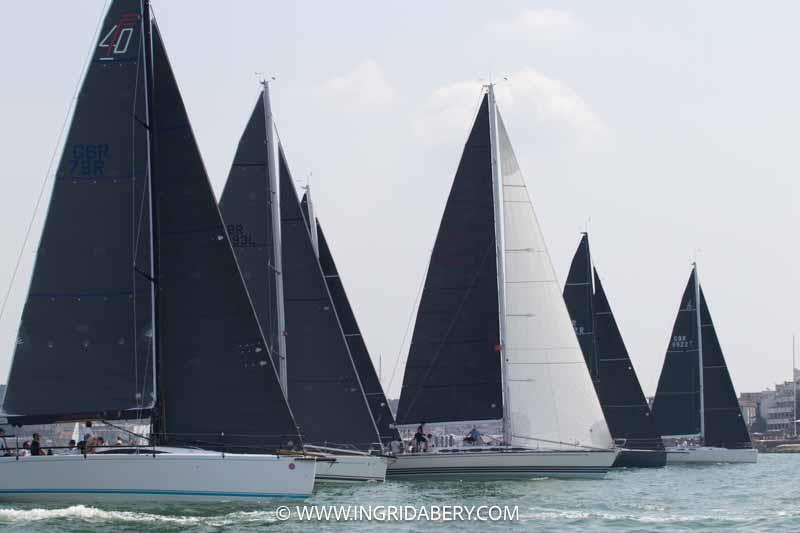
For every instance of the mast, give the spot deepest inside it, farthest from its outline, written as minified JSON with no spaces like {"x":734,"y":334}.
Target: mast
{"x":312,"y":219}
{"x":794,"y":395}
{"x":272,"y":172}
{"x":497,"y":181}
{"x":700,"y":351}
{"x":158,"y":418}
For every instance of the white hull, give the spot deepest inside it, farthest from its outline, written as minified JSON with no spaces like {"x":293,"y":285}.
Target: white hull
{"x":498,"y":463}
{"x":707,"y":454}
{"x":179,"y":475}
{"x":351,"y":468}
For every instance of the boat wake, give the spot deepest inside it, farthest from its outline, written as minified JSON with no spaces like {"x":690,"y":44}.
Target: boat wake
{"x":94,"y":515}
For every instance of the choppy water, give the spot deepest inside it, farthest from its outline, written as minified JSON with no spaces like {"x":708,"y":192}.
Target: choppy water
{"x":760,"y":497}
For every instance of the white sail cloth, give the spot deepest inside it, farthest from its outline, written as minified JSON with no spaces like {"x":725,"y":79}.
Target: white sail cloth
{"x":552,"y":401}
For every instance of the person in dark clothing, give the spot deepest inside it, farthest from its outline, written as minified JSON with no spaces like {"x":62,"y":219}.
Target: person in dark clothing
{"x":36,"y":445}
{"x":420,"y":440}
{"x":3,"y":444}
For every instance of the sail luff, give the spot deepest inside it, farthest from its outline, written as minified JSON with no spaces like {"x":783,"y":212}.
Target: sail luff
{"x":700,"y":352}
{"x":157,"y":419}
{"x":275,"y":200}
{"x":497,"y":199}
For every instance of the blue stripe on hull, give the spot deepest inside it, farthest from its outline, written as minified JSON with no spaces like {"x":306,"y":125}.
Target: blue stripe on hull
{"x":154,"y":493}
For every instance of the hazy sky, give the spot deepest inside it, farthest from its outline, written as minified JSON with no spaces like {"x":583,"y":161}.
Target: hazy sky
{"x":673,"y":126}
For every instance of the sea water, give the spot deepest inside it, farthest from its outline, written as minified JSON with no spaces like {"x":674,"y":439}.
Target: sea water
{"x":754,"y":497}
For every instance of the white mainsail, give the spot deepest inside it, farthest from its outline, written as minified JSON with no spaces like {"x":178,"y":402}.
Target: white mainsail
{"x":552,"y":400}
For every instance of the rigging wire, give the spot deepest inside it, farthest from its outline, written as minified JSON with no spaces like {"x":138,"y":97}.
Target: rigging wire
{"x":408,"y":325}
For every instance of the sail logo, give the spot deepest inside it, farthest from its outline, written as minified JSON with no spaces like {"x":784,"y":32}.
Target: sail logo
{"x":239,"y":237}
{"x":117,"y":40}
{"x":680,"y":341}
{"x":88,"y":159}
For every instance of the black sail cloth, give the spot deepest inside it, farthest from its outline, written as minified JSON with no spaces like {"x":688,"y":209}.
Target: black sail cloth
{"x":87,"y":334}
{"x":677,"y":404}
{"x":621,"y":398}
{"x":324,"y":390}
{"x":85,"y":340}
{"x":220,"y":388}
{"x":453,"y":369}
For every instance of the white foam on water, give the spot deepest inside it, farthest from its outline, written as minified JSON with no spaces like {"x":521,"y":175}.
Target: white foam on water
{"x":95,"y":515}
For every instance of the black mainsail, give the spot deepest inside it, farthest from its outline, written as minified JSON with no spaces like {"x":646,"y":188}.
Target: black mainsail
{"x":373,"y":390}
{"x":677,"y":406}
{"x":694,"y":399}
{"x":83,"y":345}
{"x":216,"y":386}
{"x":579,"y":297}
{"x":453,"y":370}
{"x":618,"y":389}
{"x":324,"y":389}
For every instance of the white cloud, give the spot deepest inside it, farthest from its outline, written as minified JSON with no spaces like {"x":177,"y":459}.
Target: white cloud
{"x":528,"y":96}
{"x":537,"y":25}
{"x":364,"y":87}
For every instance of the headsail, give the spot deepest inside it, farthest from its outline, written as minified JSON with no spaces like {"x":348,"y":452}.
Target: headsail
{"x":724,"y":425}
{"x":624,"y":404}
{"x":553,"y":402}
{"x":84,"y":346}
{"x":218,"y":383}
{"x":373,"y":390}
{"x":325,"y":392}
{"x":453,"y":368}
{"x":676,"y":407}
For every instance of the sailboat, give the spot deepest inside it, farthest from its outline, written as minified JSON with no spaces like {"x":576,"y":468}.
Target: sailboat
{"x":136,"y":307}
{"x":493,"y":345}
{"x":695,"y":404}
{"x":621,"y":397}
{"x":285,"y":280}
{"x":379,"y":406}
